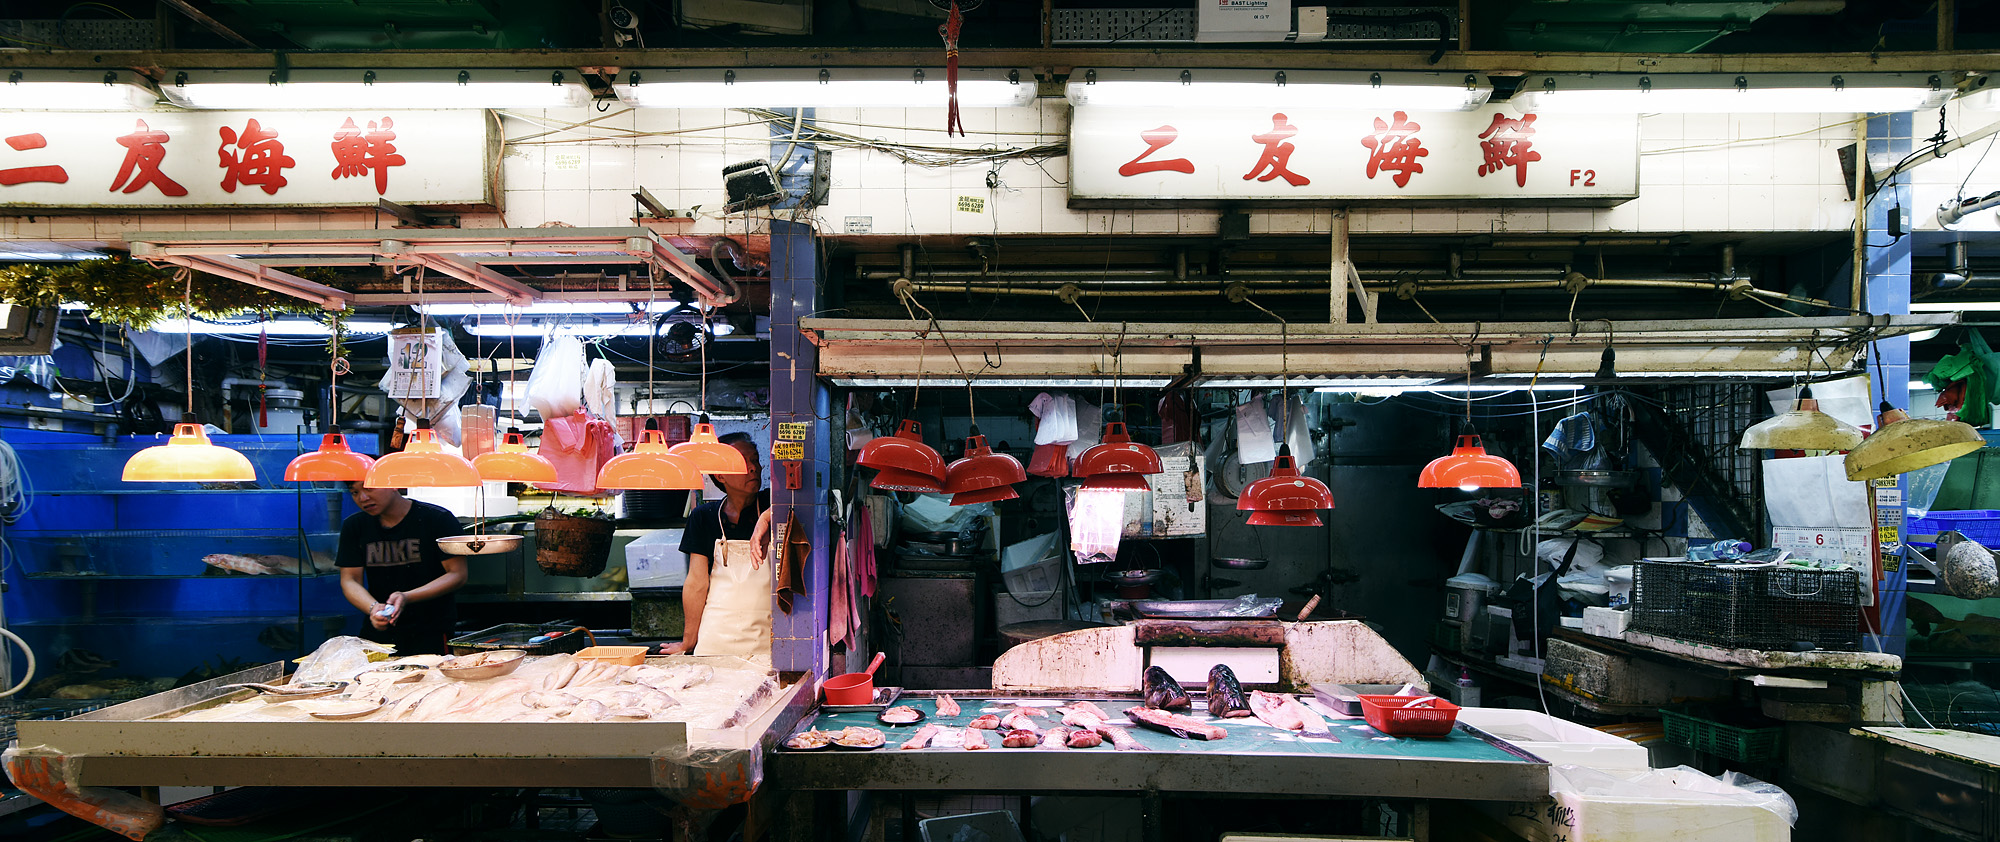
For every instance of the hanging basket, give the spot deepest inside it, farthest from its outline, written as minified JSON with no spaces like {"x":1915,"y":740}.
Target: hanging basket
{"x":567,"y":545}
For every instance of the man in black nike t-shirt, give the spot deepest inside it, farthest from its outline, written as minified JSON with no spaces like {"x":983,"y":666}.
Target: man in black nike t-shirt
{"x":393,"y":570}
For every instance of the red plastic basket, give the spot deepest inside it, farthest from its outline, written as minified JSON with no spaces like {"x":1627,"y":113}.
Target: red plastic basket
{"x":1388,"y":715}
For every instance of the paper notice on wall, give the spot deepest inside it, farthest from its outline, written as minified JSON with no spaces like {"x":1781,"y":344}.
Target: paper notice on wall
{"x":1167,"y":511}
{"x":416,"y":368}
{"x":1852,"y":548}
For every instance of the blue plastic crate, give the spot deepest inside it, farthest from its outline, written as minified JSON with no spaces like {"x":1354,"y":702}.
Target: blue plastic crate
{"x":1982,"y":525}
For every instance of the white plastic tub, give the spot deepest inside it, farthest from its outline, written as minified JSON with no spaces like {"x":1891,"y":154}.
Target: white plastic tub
{"x":1559,"y":741}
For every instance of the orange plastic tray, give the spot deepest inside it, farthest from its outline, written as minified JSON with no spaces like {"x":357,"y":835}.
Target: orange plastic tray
{"x":630,"y":656}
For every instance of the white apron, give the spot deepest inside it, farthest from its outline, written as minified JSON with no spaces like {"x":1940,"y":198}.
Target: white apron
{"x":737,"y":619}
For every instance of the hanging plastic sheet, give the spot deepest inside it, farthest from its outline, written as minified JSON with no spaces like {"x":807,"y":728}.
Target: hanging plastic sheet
{"x":1254,"y":443}
{"x":51,"y":776}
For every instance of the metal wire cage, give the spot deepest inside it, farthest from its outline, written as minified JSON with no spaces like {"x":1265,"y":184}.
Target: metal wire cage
{"x":1783,"y":608}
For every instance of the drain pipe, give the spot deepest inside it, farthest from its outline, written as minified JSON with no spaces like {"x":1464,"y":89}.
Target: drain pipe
{"x":1959,"y":276}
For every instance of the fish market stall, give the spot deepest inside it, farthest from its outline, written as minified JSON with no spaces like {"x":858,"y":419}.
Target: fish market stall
{"x":691,"y":727}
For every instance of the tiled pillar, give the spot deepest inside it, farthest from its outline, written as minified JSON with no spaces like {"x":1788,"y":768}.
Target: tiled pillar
{"x":799,"y":639}
{"x":1886,"y":276}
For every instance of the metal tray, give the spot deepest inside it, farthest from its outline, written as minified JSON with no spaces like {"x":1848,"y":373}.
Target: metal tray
{"x":1193,"y":609}
{"x":884,"y":697}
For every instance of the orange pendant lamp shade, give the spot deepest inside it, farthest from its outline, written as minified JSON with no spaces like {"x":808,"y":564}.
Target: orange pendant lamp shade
{"x":710,"y":455}
{"x":1116,"y":482}
{"x":1299,"y":518}
{"x":423,"y":463}
{"x":982,"y":469}
{"x":334,"y":461}
{"x":904,"y":451}
{"x":189,"y":457}
{"x":985,"y":495}
{"x":893,"y":479}
{"x":1469,"y":467}
{"x":512,"y":462}
{"x":1117,"y":454}
{"x":1285,"y":492}
{"x":649,"y":467}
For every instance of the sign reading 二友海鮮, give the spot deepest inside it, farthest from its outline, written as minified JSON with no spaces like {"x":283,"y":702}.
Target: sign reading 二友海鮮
{"x":1121,"y":155}
{"x":192,"y":159}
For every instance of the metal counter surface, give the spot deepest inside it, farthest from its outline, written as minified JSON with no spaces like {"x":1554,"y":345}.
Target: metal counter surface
{"x":1254,"y":758}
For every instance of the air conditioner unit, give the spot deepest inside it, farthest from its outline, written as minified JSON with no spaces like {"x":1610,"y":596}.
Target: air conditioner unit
{"x":776,"y":17}
{"x":26,"y":331}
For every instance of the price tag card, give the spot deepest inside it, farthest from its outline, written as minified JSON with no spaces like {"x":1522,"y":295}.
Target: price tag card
{"x":788,"y":450}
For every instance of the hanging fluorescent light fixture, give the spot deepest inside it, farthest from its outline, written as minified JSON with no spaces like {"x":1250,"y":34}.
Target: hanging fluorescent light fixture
{"x":548,"y":308}
{"x":996,"y":382}
{"x":76,"y":90}
{"x":590,"y":328}
{"x":838,"y":87}
{"x":1135,"y":87}
{"x":335,"y":90}
{"x":1728,"y":93}
{"x":275,"y":327}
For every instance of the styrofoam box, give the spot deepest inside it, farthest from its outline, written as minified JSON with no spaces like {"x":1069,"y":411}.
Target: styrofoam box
{"x":1558,"y":741}
{"x":656,"y":560}
{"x":1189,"y":665}
{"x":1691,"y":816}
{"x":1606,"y":622}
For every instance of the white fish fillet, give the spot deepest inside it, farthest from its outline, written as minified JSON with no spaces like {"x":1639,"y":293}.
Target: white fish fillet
{"x":560,"y":676}
{"x":923,"y":736}
{"x":1312,"y":723}
{"x":975,"y":739}
{"x":627,"y":713}
{"x":588,"y":710}
{"x":1055,"y":738}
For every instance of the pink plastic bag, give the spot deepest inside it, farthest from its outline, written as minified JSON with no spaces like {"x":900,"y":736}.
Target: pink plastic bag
{"x":578,"y":445}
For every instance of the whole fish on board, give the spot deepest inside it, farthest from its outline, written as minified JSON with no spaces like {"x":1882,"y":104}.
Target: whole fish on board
{"x":1163,"y":692}
{"x":1225,"y":694}
{"x":1271,"y":708}
{"x":975,"y":739}
{"x":946,"y":707}
{"x":1187,"y":728}
{"x":923,"y":736}
{"x":1055,"y":738}
{"x":1120,"y":738}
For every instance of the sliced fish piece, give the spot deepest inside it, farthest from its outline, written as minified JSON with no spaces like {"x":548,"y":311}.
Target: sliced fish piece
{"x":627,"y":713}
{"x":1312,"y":724}
{"x":1085,"y":738}
{"x":975,"y":739}
{"x":988,"y":722}
{"x":1163,"y":692}
{"x":1080,"y":719}
{"x":1018,"y":720}
{"x":946,"y":707}
{"x":1187,"y":728}
{"x":588,"y":710}
{"x":1271,"y":708}
{"x":1091,"y":709}
{"x":1120,"y":738}
{"x":1055,"y":738}
{"x":1021,"y":738}
{"x":923,"y":736}
{"x":559,"y":677}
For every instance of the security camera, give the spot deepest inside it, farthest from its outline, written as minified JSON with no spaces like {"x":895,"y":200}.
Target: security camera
{"x":623,"y":18}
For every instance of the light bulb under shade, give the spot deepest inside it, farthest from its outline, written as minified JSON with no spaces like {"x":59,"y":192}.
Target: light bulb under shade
{"x":904,"y":451}
{"x":189,"y":457}
{"x":649,"y":467}
{"x":334,"y":461}
{"x":1117,"y":482}
{"x":709,"y":455}
{"x":982,"y":469}
{"x":1802,"y":428}
{"x":1902,"y":444}
{"x":1469,"y":465}
{"x":894,"y":479}
{"x":985,"y":495}
{"x":423,"y":463}
{"x":1117,"y":453}
{"x":512,"y":462}
{"x":1298,"y":518}
{"x":1285,"y":491}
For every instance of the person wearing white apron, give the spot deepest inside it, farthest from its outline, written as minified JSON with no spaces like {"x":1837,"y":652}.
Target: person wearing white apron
{"x":727,"y":595}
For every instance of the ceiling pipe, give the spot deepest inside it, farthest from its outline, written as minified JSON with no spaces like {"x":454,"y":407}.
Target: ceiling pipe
{"x":1735,"y":288}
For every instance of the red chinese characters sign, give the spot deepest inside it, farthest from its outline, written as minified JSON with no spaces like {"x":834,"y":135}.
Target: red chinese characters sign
{"x":270,"y":158}
{"x":1307,"y":155}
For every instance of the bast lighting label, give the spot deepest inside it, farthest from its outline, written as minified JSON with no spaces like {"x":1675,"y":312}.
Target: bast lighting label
{"x":1307,"y":155}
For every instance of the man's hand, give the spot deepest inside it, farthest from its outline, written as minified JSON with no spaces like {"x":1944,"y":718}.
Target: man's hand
{"x":760,"y":541}
{"x":675,"y":648}
{"x":385,"y":613}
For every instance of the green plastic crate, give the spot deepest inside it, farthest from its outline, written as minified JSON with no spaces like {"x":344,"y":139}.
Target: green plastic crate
{"x":1729,"y":742}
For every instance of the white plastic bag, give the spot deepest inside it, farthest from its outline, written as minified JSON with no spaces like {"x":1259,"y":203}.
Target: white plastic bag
{"x":600,"y":388}
{"x":338,"y":659}
{"x":555,"y":388}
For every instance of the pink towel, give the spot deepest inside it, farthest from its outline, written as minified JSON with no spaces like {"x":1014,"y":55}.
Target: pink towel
{"x":863,"y":561}
{"x":839,"y":607}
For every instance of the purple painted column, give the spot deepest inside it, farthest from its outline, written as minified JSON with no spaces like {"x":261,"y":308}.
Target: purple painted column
{"x":798,"y":639}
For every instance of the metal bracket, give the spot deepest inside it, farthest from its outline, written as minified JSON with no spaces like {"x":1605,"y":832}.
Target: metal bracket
{"x":414,"y":218}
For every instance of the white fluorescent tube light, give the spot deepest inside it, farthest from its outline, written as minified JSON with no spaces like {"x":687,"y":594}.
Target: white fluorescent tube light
{"x":549,"y":308}
{"x":581,"y":329}
{"x":1344,"y":89}
{"x":75,"y":90}
{"x":1726,"y":93}
{"x":281,"y":327}
{"x":1003,"y":382}
{"x":1955,"y":307}
{"x":333,"y":90}
{"x":1920,"y":386}
{"x":843,"y":87}
{"x":1299,"y":381}
{"x":1392,"y":391}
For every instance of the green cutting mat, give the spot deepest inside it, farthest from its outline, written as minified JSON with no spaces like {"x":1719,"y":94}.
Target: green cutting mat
{"x":1246,"y":735}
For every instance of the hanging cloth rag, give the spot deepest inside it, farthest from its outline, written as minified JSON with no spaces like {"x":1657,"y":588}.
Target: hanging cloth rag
{"x":1176,"y":418}
{"x":791,"y":560}
{"x":1976,"y":367}
{"x":600,"y":388}
{"x":840,"y":595}
{"x":863,"y":558}
{"x":1572,"y":435}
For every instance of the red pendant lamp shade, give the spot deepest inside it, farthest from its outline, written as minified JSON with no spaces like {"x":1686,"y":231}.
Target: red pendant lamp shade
{"x":709,"y":454}
{"x":985,"y":495}
{"x":1117,"y":454}
{"x":423,"y":463}
{"x":1288,"y":497}
{"x":189,"y":457}
{"x":513,"y":463}
{"x":904,"y":451}
{"x":896,"y":479}
{"x":1469,"y":467}
{"x":334,"y":461}
{"x":982,"y":469}
{"x":1116,"y":482}
{"x":649,"y":467}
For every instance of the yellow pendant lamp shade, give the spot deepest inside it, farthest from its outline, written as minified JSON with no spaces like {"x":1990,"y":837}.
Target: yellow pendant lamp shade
{"x":1802,"y":428}
{"x":709,"y":454}
{"x":649,"y":467}
{"x":512,"y":462}
{"x":1902,"y":444}
{"x":334,"y":461}
{"x":1468,"y":468}
{"x":423,"y":463}
{"x":189,"y":457}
